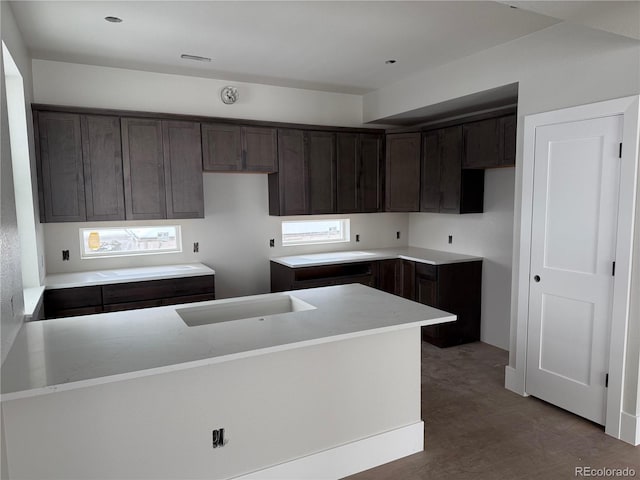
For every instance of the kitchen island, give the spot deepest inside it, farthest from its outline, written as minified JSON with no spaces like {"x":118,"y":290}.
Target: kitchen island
{"x":324,"y":383}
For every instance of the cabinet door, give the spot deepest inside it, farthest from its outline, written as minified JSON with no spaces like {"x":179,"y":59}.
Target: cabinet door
{"x":143,"y":165}
{"x":102,"y":159}
{"x":292,"y":173}
{"x":482,"y":144}
{"x":321,"y":163}
{"x":427,"y":291}
{"x":402,"y":179}
{"x":430,"y":184}
{"x":259,"y":148}
{"x":221,"y":147}
{"x":407,"y":279}
{"x":183,"y":169}
{"x":389,"y":276}
{"x":347,"y":166}
{"x":508,"y":141}
{"x":61,"y":166}
{"x":450,"y":147}
{"x":370,"y":181}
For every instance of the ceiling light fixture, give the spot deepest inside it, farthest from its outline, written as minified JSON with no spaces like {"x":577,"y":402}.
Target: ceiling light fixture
{"x":113,"y":19}
{"x":195,"y":57}
{"x":390,"y":62}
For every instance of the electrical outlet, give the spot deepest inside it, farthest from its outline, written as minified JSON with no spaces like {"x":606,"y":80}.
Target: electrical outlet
{"x":196,"y":247}
{"x":397,"y":235}
{"x":272,"y":243}
{"x":217,"y":438}
{"x":357,"y":237}
{"x":450,"y":238}
{"x":65,"y":255}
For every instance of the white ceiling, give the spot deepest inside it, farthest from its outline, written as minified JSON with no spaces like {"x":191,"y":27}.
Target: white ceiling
{"x":334,"y":46}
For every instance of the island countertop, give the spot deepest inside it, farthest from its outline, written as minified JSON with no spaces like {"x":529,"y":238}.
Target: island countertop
{"x":77,"y":352}
{"x":420,"y":255}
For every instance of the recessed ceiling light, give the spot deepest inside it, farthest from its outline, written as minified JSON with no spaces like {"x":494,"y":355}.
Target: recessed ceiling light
{"x":113,"y":19}
{"x":390,"y":62}
{"x":195,"y":57}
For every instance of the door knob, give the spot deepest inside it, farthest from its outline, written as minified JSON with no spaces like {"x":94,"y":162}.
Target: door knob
{"x":537,"y":278}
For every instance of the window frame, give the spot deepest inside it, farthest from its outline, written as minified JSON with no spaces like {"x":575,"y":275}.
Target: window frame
{"x":128,"y":253}
{"x":345,"y":229}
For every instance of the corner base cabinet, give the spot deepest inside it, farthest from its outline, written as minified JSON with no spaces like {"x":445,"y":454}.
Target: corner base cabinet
{"x":452,"y":287}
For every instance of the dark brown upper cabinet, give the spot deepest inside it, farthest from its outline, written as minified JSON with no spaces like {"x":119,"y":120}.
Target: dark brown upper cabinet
{"x":221,"y":147}
{"x":490,"y":143}
{"x":60,"y":161}
{"x":288,"y":190}
{"x":183,"y":169}
{"x":143,"y":165}
{"x":359,"y":184}
{"x":370,"y":174}
{"x":508,"y":126}
{"x":402,"y":167}
{"x":306,"y":179}
{"x":446,"y":187}
{"x":236,"y":148}
{"x":348,"y":165}
{"x":320,"y":149}
{"x":102,"y":160}
{"x":260,"y":149}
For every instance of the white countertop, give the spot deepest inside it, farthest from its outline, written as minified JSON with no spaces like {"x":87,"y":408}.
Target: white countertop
{"x":422,"y":255}
{"x":76,"y":352}
{"x":124,"y":275}
{"x":32,"y":297}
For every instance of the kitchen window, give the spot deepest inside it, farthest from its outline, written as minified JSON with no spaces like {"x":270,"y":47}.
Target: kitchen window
{"x":313,"y":232}
{"x":121,"y":241}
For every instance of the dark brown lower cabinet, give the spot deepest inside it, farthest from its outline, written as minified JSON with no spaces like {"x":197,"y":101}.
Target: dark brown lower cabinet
{"x":455,"y":288}
{"x":69,"y":302}
{"x":397,"y":276}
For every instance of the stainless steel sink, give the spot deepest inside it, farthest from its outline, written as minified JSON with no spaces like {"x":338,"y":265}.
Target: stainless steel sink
{"x":226,"y":311}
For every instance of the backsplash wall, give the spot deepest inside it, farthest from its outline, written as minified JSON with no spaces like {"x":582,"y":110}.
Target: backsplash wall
{"x":233,"y":237}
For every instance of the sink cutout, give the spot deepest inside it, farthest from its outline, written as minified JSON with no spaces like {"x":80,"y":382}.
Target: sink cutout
{"x":242,"y":309}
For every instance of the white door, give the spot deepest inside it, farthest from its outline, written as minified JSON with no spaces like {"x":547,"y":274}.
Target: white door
{"x":575,"y":205}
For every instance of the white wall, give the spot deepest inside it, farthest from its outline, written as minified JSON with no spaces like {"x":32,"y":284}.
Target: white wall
{"x":487,"y":235}
{"x":102,"y":87}
{"x":234,"y":235}
{"x":561,"y":66}
{"x":12,"y":308}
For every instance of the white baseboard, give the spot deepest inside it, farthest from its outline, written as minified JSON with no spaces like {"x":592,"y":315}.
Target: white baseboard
{"x":348,"y":459}
{"x":513,"y":381}
{"x":630,"y":428}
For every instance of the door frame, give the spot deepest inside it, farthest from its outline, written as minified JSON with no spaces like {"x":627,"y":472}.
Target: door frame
{"x":629,"y":107}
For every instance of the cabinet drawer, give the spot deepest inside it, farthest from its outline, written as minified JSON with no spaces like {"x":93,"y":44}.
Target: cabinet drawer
{"x":73,"y":312}
{"x":157,"y":289}
{"x":68,"y":298}
{"x":427,"y":271}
